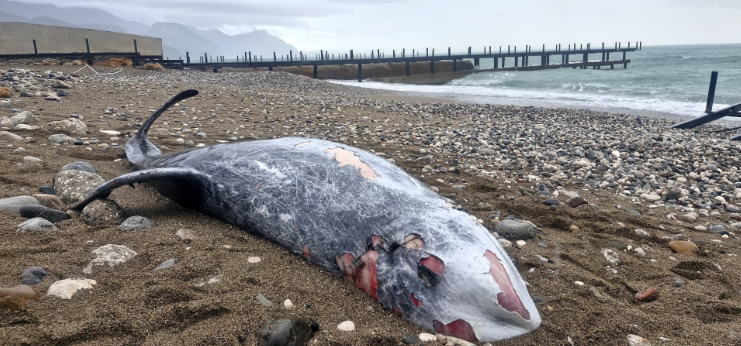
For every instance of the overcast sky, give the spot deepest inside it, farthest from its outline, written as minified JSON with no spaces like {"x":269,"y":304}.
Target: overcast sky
{"x":394,"y":24}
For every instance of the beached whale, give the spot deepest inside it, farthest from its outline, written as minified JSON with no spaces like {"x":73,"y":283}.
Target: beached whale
{"x":353,"y":214}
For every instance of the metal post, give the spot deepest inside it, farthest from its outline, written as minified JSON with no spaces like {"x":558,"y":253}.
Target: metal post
{"x":394,"y":53}
{"x":360,"y":71}
{"x":448,"y":51}
{"x":455,"y":65}
{"x":469,"y":50}
{"x":315,"y":71}
{"x":351,"y":54}
{"x":35,"y":51}
{"x":432,"y":63}
{"x":322,"y":54}
{"x":250,"y":54}
{"x":87,"y":44}
{"x":403,"y":52}
{"x":407,"y":68}
{"x":275,"y":57}
{"x":187,"y":58}
{"x":290,"y":52}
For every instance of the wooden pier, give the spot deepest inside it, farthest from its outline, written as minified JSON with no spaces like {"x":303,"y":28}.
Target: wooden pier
{"x":504,"y":59}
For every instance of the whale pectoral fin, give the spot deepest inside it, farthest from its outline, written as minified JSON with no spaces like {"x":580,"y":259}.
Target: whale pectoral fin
{"x":153,"y":174}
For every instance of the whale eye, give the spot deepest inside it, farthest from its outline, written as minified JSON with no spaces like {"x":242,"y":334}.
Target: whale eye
{"x":414,"y":241}
{"x":429,"y":270}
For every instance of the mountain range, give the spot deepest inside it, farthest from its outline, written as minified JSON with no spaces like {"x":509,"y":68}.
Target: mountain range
{"x":176,"y":38}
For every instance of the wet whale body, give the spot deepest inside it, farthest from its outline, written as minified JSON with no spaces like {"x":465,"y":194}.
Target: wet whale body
{"x":353,"y":214}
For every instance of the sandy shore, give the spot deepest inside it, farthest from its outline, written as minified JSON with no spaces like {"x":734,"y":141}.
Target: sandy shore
{"x":623,"y":168}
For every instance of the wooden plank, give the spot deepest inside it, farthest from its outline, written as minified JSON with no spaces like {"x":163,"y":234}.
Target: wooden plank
{"x":708,"y":118}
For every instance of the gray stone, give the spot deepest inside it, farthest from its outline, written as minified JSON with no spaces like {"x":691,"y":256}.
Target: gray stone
{"x":36,"y":224}
{"x":51,"y":215}
{"x":53,"y":98}
{"x":102,"y":213}
{"x":8,"y":136}
{"x":543,"y":190}
{"x":73,"y":185}
{"x":19,"y":151}
{"x":732,"y":208}
{"x":551,"y":202}
{"x":33,"y":276}
{"x":264,"y":301}
{"x":459,"y":187}
{"x":62,"y":93}
{"x":410,"y":339}
{"x":678,"y":282}
{"x":48,"y":190}
{"x":72,"y":125}
{"x":60,"y":139}
{"x":79,"y":166}
{"x":167,"y":264}
{"x":111,"y":255}
{"x":60,"y":85}
{"x":716,"y":228}
{"x":25,"y":117}
{"x":633,"y":212}
{"x":13,"y":204}
{"x":137,"y":223}
{"x":287,"y":330}
{"x":516,"y":229}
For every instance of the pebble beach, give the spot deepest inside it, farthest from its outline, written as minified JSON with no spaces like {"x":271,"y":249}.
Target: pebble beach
{"x":624,"y":229}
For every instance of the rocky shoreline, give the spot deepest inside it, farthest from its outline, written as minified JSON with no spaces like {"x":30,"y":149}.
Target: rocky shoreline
{"x":621,"y":226}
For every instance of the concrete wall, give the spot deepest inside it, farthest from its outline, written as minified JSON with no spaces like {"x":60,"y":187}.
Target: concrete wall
{"x":17,"y":38}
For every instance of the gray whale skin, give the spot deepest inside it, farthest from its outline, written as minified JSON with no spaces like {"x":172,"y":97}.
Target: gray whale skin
{"x":355,"y":215}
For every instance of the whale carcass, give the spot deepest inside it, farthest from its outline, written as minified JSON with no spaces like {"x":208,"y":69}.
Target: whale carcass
{"x":353,"y":214}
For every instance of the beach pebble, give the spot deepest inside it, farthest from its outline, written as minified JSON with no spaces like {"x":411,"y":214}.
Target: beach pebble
{"x":79,"y":166}
{"x":60,"y":139}
{"x":520,"y":243}
{"x":66,"y":288}
{"x":58,"y":84}
{"x":111,"y":255}
{"x":287,"y":304}
{"x":18,"y":151}
{"x":13,"y":204}
{"x":136,"y":222}
{"x":102,"y":213}
{"x":263,"y":300}
{"x":40,"y":211}
{"x":641,"y":233}
{"x":167,"y":264}
{"x":611,"y":256}
{"x":36,"y":224}
{"x":254,"y":259}
{"x":186,"y":235}
{"x":576,"y":201}
{"x":47,"y":190}
{"x":23,"y":118}
{"x":9,"y":136}
{"x":683,"y":247}
{"x":33,"y":276}
{"x":543,"y":190}
{"x":504,"y":242}
{"x":678,"y":282}
{"x":551,"y":202}
{"x":287,"y":330}
{"x":73,"y":185}
{"x":70,"y":125}
{"x":516,"y":229}
{"x":410,"y":339}
{"x":640,"y":252}
{"x":50,"y":201}
{"x":646,"y":295}
{"x":635,"y":340}
{"x":346,"y":326}
{"x":32,"y":159}
{"x":427,"y":337}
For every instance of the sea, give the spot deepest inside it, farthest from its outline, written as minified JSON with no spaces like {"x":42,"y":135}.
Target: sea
{"x":659,"y":80}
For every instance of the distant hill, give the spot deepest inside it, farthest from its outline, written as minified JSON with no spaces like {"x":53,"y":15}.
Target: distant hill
{"x":79,"y":16}
{"x":176,"y":38}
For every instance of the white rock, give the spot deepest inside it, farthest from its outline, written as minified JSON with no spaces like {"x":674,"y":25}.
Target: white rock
{"x":635,"y":340}
{"x":347,"y":326}
{"x":67,"y":125}
{"x":642,"y":233}
{"x":579,"y":283}
{"x":582,"y":163}
{"x":288,"y":304}
{"x":652,"y":197}
{"x":720,"y":199}
{"x":111,"y":255}
{"x":8,"y":136}
{"x":701,"y":228}
{"x":424,"y":337}
{"x":505,"y":242}
{"x":14,"y":204}
{"x":110,"y":132}
{"x":36,"y":224}
{"x":31,"y":159}
{"x":254,"y":259}
{"x":611,"y":256}
{"x":640,"y":252}
{"x":66,"y":288}
{"x":520,"y":243}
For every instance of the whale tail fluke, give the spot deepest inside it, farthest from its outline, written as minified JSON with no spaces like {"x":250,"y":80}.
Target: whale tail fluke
{"x":138,"y":148}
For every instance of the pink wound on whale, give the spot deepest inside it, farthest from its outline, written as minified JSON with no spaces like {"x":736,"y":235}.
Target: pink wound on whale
{"x":458,"y":328}
{"x":508,"y":298}
{"x":415,"y":301}
{"x":433,"y":263}
{"x":306,"y":252}
{"x":362,"y":271}
{"x":348,"y":158}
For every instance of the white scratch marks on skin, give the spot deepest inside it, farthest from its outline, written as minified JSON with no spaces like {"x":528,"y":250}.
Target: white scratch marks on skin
{"x":275,"y":171}
{"x":263,"y":210}
{"x":286,"y":217}
{"x":300,"y":144}
{"x":347,"y":158}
